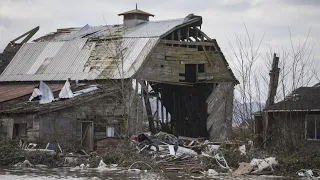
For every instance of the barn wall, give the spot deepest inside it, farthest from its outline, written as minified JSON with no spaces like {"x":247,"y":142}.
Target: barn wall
{"x":219,"y":108}
{"x":167,"y":63}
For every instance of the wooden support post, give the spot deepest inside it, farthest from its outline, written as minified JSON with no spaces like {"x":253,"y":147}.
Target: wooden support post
{"x":162,"y":112}
{"x":167,"y":116}
{"x":172,"y":35}
{"x":174,"y":113}
{"x":157,"y":110}
{"x":137,"y":104}
{"x":196,"y":31}
{"x":178,"y":122}
{"x":179,"y":34}
{"x":273,"y":85}
{"x":188,"y":33}
{"x":148,"y":107}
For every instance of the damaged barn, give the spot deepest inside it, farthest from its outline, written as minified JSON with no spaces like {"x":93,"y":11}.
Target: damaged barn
{"x":172,"y":61}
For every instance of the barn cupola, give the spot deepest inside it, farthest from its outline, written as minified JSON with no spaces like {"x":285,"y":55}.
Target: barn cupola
{"x":134,"y":17}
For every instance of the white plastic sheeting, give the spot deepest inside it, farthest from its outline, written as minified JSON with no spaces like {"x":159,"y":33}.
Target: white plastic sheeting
{"x":242,"y":150}
{"x":47,"y":95}
{"x":87,"y":90}
{"x":36,"y":92}
{"x":262,"y":164}
{"x":66,"y":92}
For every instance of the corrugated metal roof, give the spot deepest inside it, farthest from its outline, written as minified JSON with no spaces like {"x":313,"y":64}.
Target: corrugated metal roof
{"x":9,"y":92}
{"x":77,"y":58}
{"x":153,"y":28}
{"x":136,"y":51}
{"x":48,"y":61}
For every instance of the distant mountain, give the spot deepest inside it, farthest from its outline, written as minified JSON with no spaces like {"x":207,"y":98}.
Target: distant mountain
{"x":244,"y":111}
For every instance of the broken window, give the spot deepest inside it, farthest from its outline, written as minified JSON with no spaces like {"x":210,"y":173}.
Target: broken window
{"x":102,"y":132}
{"x":19,"y":130}
{"x":110,"y":131}
{"x":313,"y":127}
{"x":201,"y":68}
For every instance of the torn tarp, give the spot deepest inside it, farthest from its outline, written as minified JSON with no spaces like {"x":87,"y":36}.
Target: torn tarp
{"x":66,"y":92}
{"x":47,"y":95}
{"x":36,"y":93}
{"x":43,"y":92}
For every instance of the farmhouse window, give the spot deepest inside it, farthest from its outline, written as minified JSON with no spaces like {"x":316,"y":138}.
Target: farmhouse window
{"x":313,"y":127}
{"x":102,"y":132}
{"x":19,"y":130}
{"x":110,"y":131}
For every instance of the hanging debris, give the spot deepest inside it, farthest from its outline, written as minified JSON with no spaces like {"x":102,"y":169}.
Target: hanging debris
{"x":36,"y":93}
{"x":66,"y":92}
{"x":47,"y":95}
{"x":43,"y":92}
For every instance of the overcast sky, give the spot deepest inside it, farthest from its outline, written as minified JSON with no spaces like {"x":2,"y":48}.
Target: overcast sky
{"x":221,"y":18}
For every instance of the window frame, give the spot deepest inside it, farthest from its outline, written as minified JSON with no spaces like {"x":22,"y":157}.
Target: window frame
{"x":113,"y":134}
{"x":201,"y":67}
{"x":316,"y":117}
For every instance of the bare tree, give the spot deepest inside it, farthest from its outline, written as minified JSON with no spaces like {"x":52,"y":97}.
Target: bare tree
{"x":245,"y":53}
{"x":297,"y":68}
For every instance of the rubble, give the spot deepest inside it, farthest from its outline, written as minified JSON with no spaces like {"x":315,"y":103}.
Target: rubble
{"x":212,"y":172}
{"x":256,"y":166}
{"x":23,"y":164}
{"x":183,"y":163}
{"x":309,"y":173}
{"x":164,"y":152}
{"x":263,"y":164}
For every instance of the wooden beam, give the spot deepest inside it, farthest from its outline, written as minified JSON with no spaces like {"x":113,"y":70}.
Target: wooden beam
{"x":196,"y":36}
{"x":157,"y":110}
{"x":188,"y":35}
{"x":167,"y":116}
{"x":137,"y":104}
{"x":29,"y":33}
{"x":148,"y":108}
{"x":162,"y":112}
{"x":207,"y":57}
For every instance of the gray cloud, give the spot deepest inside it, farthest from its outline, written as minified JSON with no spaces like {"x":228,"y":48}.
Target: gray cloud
{"x":221,"y":18}
{"x":304,"y":2}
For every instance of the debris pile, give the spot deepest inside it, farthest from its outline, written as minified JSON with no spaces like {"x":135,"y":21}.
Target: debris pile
{"x":172,"y":154}
{"x":184,"y":163}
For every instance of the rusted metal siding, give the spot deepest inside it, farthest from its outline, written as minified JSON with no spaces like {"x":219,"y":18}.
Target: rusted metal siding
{"x":8,"y":92}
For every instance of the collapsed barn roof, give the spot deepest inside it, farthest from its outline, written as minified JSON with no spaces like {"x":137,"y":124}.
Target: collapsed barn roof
{"x":90,"y":52}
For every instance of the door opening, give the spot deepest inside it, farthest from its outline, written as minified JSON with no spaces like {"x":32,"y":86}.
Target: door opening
{"x":191,"y":72}
{"x":87,"y":136}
